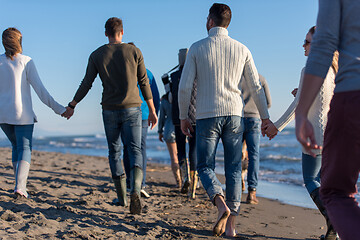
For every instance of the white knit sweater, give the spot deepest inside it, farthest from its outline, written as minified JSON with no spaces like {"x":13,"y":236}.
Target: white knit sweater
{"x":318,"y":111}
{"x":217,"y":63}
{"x":16,"y":76}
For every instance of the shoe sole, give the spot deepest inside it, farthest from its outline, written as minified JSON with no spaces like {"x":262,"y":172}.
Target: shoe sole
{"x":135,"y":204}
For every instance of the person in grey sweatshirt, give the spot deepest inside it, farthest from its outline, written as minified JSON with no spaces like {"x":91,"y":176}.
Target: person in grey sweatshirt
{"x":338,"y":28}
{"x":251,"y":136}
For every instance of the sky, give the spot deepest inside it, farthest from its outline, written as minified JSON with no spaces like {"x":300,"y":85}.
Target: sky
{"x":60,"y":35}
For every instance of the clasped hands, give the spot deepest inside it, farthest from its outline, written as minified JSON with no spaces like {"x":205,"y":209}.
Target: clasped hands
{"x":68,"y":113}
{"x":268,"y":128}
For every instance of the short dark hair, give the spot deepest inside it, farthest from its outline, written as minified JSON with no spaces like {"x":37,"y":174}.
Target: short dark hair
{"x":220,"y":14}
{"x":113,"y":26}
{"x":312,"y":30}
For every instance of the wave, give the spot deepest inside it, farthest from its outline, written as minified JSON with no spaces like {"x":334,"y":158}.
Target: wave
{"x":280,"y":157}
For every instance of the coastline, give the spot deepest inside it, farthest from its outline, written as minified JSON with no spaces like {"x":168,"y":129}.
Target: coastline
{"x":71,"y":198}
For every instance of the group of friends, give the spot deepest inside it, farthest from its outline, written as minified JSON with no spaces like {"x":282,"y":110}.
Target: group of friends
{"x":216,"y":93}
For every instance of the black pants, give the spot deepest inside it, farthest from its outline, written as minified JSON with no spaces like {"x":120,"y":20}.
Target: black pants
{"x":181,"y":147}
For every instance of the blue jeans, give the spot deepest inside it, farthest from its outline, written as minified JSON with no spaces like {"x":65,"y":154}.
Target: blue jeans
{"x":125,"y":125}
{"x":311,"y":171}
{"x":20,"y":137}
{"x":208,"y":133}
{"x":252,"y":130}
{"x":144,"y":130}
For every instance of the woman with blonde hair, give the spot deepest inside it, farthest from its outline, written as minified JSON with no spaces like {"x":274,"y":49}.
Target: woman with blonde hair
{"x":318,"y":116}
{"x":17,"y":118}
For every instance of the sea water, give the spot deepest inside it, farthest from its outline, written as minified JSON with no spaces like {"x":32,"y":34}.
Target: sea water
{"x":280,"y":175}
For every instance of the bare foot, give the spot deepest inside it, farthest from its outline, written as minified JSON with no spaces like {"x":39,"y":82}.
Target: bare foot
{"x":230,"y":226}
{"x":223,"y":214}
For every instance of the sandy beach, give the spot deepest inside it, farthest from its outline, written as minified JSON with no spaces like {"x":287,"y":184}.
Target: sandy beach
{"x":71,"y":198}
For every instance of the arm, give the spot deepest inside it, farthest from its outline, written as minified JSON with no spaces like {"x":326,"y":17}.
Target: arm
{"x":34,"y":80}
{"x":251,"y":78}
{"x":266,"y":90}
{"x":325,"y":42}
{"x":85,"y":86}
{"x":143,"y":80}
{"x":185,"y":88}
{"x":252,"y":81}
{"x":155,"y":93}
{"x":86,"y":83}
{"x":289,"y":114}
{"x":161,"y":118}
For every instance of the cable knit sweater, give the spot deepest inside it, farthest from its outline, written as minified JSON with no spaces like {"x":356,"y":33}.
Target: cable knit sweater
{"x":16,"y":76}
{"x":318,"y":111}
{"x":217,"y":63}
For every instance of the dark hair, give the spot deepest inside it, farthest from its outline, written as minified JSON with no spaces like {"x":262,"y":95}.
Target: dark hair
{"x":220,"y":14}
{"x":312,"y":30}
{"x":11,"y":39}
{"x":335,"y":61}
{"x":113,"y":26}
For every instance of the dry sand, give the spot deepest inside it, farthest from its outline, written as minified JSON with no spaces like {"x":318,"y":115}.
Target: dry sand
{"x":71,"y":198}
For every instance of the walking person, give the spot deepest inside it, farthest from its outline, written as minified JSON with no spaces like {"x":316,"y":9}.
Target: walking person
{"x":318,"y":117}
{"x":144,"y":130}
{"x":188,"y":163}
{"x":337,"y":28}
{"x":217,"y":63}
{"x":121,"y":69}
{"x":17,"y":117}
{"x":166,"y":132}
{"x":252,"y":132}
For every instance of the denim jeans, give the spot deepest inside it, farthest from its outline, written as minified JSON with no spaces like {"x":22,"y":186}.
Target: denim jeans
{"x":144,"y":130}
{"x":125,"y":125}
{"x":20,"y":137}
{"x":311,"y":171}
{"x":252,"y":131}
{"x":181,"y":147}
{"x":209,"y":131}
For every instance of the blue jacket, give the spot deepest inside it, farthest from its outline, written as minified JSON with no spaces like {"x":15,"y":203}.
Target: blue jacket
{"x":156,"y":97}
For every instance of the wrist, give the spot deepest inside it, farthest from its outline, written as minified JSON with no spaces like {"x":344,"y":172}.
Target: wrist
{"x":71,"y":106}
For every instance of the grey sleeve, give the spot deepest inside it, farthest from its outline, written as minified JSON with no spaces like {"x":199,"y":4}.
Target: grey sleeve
{"x":266,"y":90}
{"x":326,"y":38}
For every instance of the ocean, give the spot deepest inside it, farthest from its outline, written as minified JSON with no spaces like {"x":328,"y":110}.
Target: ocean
{"x":280,"y":175}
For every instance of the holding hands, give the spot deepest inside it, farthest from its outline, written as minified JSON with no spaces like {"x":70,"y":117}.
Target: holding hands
{"x":268,"y":128}
{"x":69,"y":110}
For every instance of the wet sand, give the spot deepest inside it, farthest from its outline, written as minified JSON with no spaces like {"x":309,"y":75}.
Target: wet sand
{"x":71,"y":198}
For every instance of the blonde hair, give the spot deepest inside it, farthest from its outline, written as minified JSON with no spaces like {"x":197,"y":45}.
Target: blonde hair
{"x":11,"y":39}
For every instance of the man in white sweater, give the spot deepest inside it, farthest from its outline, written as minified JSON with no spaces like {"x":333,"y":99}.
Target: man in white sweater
{"x":217,"y":64}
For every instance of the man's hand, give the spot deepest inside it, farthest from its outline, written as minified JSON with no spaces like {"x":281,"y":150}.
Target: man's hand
{"x":304,"y":133}
{"x":152,"y":119}
{"x":161,"y":137}
{"x":186,"y":127}
{"x":68,"y":113}
{"x":265,"y":124}
{"x":271,"y":131}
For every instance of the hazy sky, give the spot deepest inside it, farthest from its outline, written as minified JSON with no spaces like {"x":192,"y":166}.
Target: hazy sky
{"x":61,"y":35}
